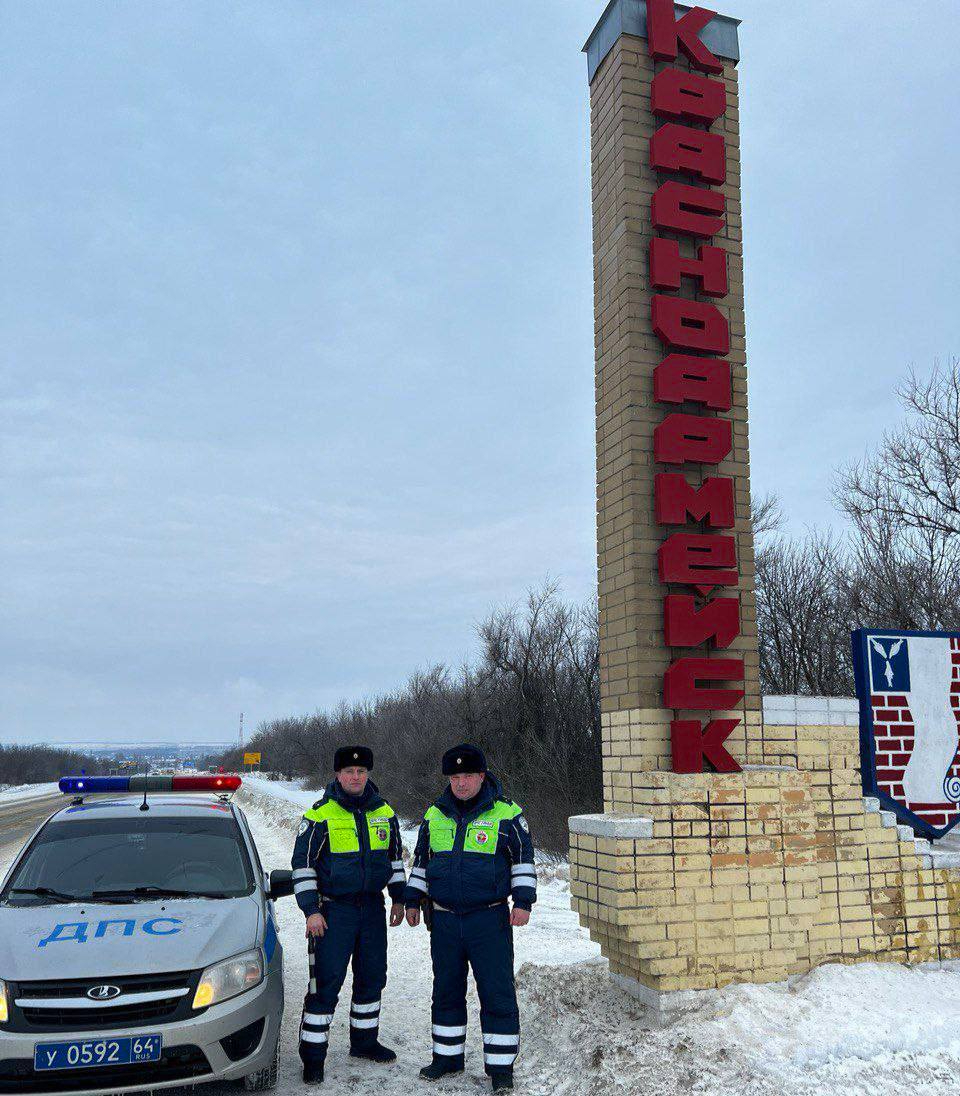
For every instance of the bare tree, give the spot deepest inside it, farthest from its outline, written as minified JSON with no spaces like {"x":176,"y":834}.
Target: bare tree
{"x":766,"y":515}
{"x":914,"y":476}
{"x":898,"y":576}
{"x":544,"y":664}
{"x":904,"y":505}
{"x":803,"y":615}
{"x":803,"y":618}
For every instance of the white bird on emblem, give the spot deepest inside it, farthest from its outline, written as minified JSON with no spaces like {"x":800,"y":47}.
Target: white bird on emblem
{"x":887,"y":656}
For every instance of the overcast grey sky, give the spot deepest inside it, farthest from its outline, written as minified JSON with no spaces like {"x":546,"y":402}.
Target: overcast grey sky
{"x":296,"y":326}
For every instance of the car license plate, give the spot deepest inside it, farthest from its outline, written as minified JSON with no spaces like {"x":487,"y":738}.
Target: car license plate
{"x":98,"y":1052}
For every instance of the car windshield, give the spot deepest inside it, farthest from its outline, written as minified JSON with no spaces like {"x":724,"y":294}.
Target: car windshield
{"x":129,"y":860}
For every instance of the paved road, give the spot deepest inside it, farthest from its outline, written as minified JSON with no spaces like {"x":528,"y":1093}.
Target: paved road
{"x":19,"y":817}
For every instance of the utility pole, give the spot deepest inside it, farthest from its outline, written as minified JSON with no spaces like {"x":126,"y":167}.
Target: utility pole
{"x":240,"y":733}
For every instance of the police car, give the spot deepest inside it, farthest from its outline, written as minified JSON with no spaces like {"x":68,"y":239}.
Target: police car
{"x":138,"y":944}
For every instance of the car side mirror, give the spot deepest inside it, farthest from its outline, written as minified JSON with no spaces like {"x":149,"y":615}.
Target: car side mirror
{"x":281,"y":883}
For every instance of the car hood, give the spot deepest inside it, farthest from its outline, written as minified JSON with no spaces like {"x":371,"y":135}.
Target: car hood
{"x":102,"y":940}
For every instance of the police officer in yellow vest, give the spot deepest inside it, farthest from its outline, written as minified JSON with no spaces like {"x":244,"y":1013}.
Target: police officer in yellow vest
{"x":473,"y":853}
{"x":348,"y":849}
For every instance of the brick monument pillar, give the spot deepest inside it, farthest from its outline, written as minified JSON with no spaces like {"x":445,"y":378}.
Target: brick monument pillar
{"x":729,"y":849}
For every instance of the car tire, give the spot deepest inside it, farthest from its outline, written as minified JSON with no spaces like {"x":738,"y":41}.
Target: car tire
{"x":264,"y":1079}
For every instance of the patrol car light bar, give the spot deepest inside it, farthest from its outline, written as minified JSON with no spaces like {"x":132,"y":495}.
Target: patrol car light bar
{"x":88,"y":785}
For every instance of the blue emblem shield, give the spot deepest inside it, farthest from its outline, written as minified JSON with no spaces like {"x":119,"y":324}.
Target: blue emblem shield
{"x":908,"y":686}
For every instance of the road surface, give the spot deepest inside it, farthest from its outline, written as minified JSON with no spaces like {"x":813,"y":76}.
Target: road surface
{"x":20,"y":816}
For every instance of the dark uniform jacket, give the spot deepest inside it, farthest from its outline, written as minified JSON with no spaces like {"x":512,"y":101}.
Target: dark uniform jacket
{"x":347,"y":847}
{"x":465,"y":860}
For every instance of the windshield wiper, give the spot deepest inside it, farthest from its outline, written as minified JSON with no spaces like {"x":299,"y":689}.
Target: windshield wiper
{"x":49,"y":892}
{"x":135,"y":893}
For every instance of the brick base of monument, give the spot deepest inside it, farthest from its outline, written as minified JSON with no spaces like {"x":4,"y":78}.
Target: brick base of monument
{"x":696,"y":881}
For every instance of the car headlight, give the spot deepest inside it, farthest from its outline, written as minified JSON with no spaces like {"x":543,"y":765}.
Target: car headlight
{"x":225,"y":980}
{"x":4,"y":1010}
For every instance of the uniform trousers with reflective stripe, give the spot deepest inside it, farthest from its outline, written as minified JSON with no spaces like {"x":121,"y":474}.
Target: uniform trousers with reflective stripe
{"x":357,"y":931}
{"x":484,"y":940}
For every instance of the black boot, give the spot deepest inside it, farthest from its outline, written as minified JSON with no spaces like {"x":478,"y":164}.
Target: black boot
{"x":313,"y":1073}
{"x":441,"y":1066}
{"x":375,"y":1052}
{"x":501,"y":1079}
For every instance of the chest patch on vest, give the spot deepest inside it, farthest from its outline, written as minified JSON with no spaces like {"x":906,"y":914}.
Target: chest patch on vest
{"x":382,"y":833}
{"x":481,"y":838}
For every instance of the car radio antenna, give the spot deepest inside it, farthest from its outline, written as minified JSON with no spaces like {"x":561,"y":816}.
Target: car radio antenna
{"x":144,"y":806}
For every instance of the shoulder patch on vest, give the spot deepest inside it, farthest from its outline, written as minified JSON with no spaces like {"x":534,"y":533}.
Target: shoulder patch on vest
{"x":304,"y":826}
{"x":523,"y":822}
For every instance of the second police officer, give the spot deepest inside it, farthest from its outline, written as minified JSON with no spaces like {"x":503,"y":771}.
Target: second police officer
{"x":473,"y":853}
{"x":348,"y":849}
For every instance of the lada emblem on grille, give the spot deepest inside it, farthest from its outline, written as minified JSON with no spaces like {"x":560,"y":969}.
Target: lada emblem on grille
{"x":103,"y":993}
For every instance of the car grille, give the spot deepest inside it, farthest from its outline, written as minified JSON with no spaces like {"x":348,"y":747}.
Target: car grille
{"x":65,"y":1006}
{"x":176,"y":1064}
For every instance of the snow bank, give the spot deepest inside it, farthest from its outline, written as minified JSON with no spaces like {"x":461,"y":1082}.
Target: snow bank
{"x":863,"y":1013}
{"x":278,"y":811}
{"x":26,"y":791}
{"x":841,"y":1029}
{"x":291,"y":791}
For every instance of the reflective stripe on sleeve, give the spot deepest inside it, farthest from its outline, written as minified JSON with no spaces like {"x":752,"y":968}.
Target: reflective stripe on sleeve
{"x":304,"y":885}
{"x":417,"y":884}
{"x":304,"y":873}
{"x":397,"y":877}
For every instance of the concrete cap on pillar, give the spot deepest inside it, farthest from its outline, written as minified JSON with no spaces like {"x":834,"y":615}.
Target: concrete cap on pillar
{"x":630,"y":17}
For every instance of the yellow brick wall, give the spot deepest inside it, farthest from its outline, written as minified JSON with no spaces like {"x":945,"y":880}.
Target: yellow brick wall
{"x":757,"y":875}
